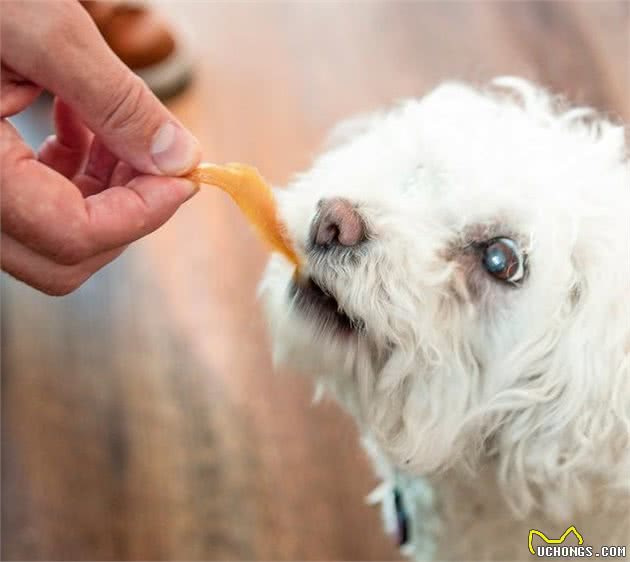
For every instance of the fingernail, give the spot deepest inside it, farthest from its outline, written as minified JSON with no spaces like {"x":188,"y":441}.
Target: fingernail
{"x":173,"y":150}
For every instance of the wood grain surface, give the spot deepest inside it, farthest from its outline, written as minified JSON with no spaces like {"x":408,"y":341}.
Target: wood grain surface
{"x":141,"y":418}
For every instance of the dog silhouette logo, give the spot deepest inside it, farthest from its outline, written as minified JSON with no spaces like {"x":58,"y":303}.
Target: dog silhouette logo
{"x":546,"y":539}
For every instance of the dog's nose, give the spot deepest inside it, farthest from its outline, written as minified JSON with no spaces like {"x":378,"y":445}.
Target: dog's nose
{"x":337,"y":223}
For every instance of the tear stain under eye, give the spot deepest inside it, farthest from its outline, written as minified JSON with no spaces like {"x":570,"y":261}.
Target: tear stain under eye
{"x":469,"y":276}
{"x":465,"y":251}
{"x":471,"y":282}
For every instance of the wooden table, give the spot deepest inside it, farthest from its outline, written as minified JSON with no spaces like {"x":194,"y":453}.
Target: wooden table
{"x":141,"y":418}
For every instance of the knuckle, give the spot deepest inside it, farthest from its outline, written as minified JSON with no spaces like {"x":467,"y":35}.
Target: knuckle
{"x":71,"y":253}
{"x":63,"y":285}
{"x":75,"y":245}
{"x":125,"y":108}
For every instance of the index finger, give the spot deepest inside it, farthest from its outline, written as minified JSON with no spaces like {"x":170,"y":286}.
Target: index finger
{"x":57,"y":45}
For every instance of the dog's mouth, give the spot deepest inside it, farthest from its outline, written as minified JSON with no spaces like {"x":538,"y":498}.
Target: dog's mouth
{"x":321,"y":307}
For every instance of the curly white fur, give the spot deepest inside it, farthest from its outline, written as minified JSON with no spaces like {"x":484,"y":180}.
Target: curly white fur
{"x":453,"y":368}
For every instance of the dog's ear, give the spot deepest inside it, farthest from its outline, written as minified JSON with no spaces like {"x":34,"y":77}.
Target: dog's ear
{"x":569,"y":424}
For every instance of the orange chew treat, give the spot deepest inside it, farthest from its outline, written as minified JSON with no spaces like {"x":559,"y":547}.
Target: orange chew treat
{"x":253,"y":196}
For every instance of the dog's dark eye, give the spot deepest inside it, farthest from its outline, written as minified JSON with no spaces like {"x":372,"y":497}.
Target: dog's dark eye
{"x":502,"y":259}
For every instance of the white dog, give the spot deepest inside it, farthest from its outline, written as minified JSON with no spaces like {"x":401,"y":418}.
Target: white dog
{"x":465,"y":298}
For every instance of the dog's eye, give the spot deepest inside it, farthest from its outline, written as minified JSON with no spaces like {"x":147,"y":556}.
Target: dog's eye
{"x":502,"y":259}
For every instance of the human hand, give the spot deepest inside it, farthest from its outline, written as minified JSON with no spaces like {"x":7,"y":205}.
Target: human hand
{"x":95,"y":186}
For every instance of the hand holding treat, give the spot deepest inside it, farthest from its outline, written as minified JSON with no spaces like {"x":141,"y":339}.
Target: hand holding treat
{"x":105,"y":179}
{"x":253,"y":196}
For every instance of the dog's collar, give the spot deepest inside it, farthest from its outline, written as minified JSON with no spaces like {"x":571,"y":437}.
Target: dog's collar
{"x":402,"y":518}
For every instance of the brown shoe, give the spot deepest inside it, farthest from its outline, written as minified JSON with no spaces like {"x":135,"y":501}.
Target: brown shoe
{"x":144,"y":42}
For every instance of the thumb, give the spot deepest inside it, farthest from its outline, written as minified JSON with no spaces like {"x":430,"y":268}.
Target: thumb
{"x":67,"y":55}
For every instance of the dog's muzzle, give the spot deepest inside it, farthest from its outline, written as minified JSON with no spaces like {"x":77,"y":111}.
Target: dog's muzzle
{"x":337,"y":223}
{"x":322,"y":308}
{"x":336,"y":229}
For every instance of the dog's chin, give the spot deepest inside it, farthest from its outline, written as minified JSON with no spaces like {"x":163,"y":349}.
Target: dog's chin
{"x":321,"y":308}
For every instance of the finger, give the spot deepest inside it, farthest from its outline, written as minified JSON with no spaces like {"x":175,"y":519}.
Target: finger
{"x":66,"y":151}
{"x":70,"y":58}
{"x":45,"y":275}
{"x":38,"y":206}
{"x":120,"y":215}
{"x":16,"y":93}
{"x":60,"y":224}
{"x":71,"y":131}
{"x":123,"y":174}
{"x":98,"y":170}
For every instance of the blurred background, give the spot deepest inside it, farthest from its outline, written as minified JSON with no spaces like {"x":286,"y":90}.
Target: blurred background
{"x":141,"y":418}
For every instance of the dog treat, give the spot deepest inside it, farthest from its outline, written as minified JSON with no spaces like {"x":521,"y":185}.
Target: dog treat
{"x":253,"y":196}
